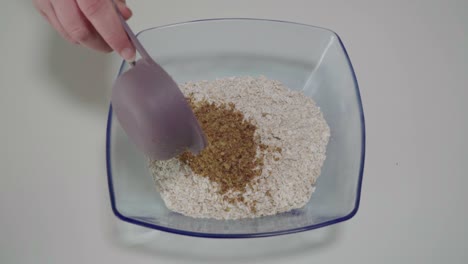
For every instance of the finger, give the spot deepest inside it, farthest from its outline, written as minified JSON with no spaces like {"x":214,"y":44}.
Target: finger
{"x":103,"y":17}
{"x":77,"y":26}
{"x":46,"y":9}
{"x":124,"y":9}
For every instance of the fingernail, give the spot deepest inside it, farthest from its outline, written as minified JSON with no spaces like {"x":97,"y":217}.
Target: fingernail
{"x":128,"y":54}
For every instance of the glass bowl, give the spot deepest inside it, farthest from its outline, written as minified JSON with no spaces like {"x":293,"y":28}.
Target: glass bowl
{"x":303,"y":57}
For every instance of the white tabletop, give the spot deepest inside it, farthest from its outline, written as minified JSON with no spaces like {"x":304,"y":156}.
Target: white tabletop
{"x":411,"y":60}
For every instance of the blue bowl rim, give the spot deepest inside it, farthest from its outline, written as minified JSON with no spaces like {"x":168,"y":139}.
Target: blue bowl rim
{"x":242,"y":235}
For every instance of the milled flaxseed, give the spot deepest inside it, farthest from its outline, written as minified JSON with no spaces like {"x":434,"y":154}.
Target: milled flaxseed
{"x":230,"y":158}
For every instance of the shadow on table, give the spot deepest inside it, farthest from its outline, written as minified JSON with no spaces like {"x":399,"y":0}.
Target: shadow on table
{"x":181,"y":248}
{"x":82,"y":74}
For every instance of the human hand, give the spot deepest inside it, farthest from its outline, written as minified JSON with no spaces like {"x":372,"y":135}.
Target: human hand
{"x":91,"y":23}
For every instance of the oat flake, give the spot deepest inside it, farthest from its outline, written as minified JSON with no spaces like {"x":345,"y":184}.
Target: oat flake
{"x":284,"y":118}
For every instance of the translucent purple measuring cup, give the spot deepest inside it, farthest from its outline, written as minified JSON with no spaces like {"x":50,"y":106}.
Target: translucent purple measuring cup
{"x":152,"y":110}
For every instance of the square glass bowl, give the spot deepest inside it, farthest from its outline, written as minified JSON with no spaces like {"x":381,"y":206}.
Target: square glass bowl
{"x":303,"y":57}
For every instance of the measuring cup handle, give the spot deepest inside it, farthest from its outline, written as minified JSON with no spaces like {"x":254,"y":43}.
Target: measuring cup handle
{"x":144,"y":54}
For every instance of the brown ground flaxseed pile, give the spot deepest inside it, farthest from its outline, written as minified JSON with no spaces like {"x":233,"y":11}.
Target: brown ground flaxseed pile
{"x":231,"y":156}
